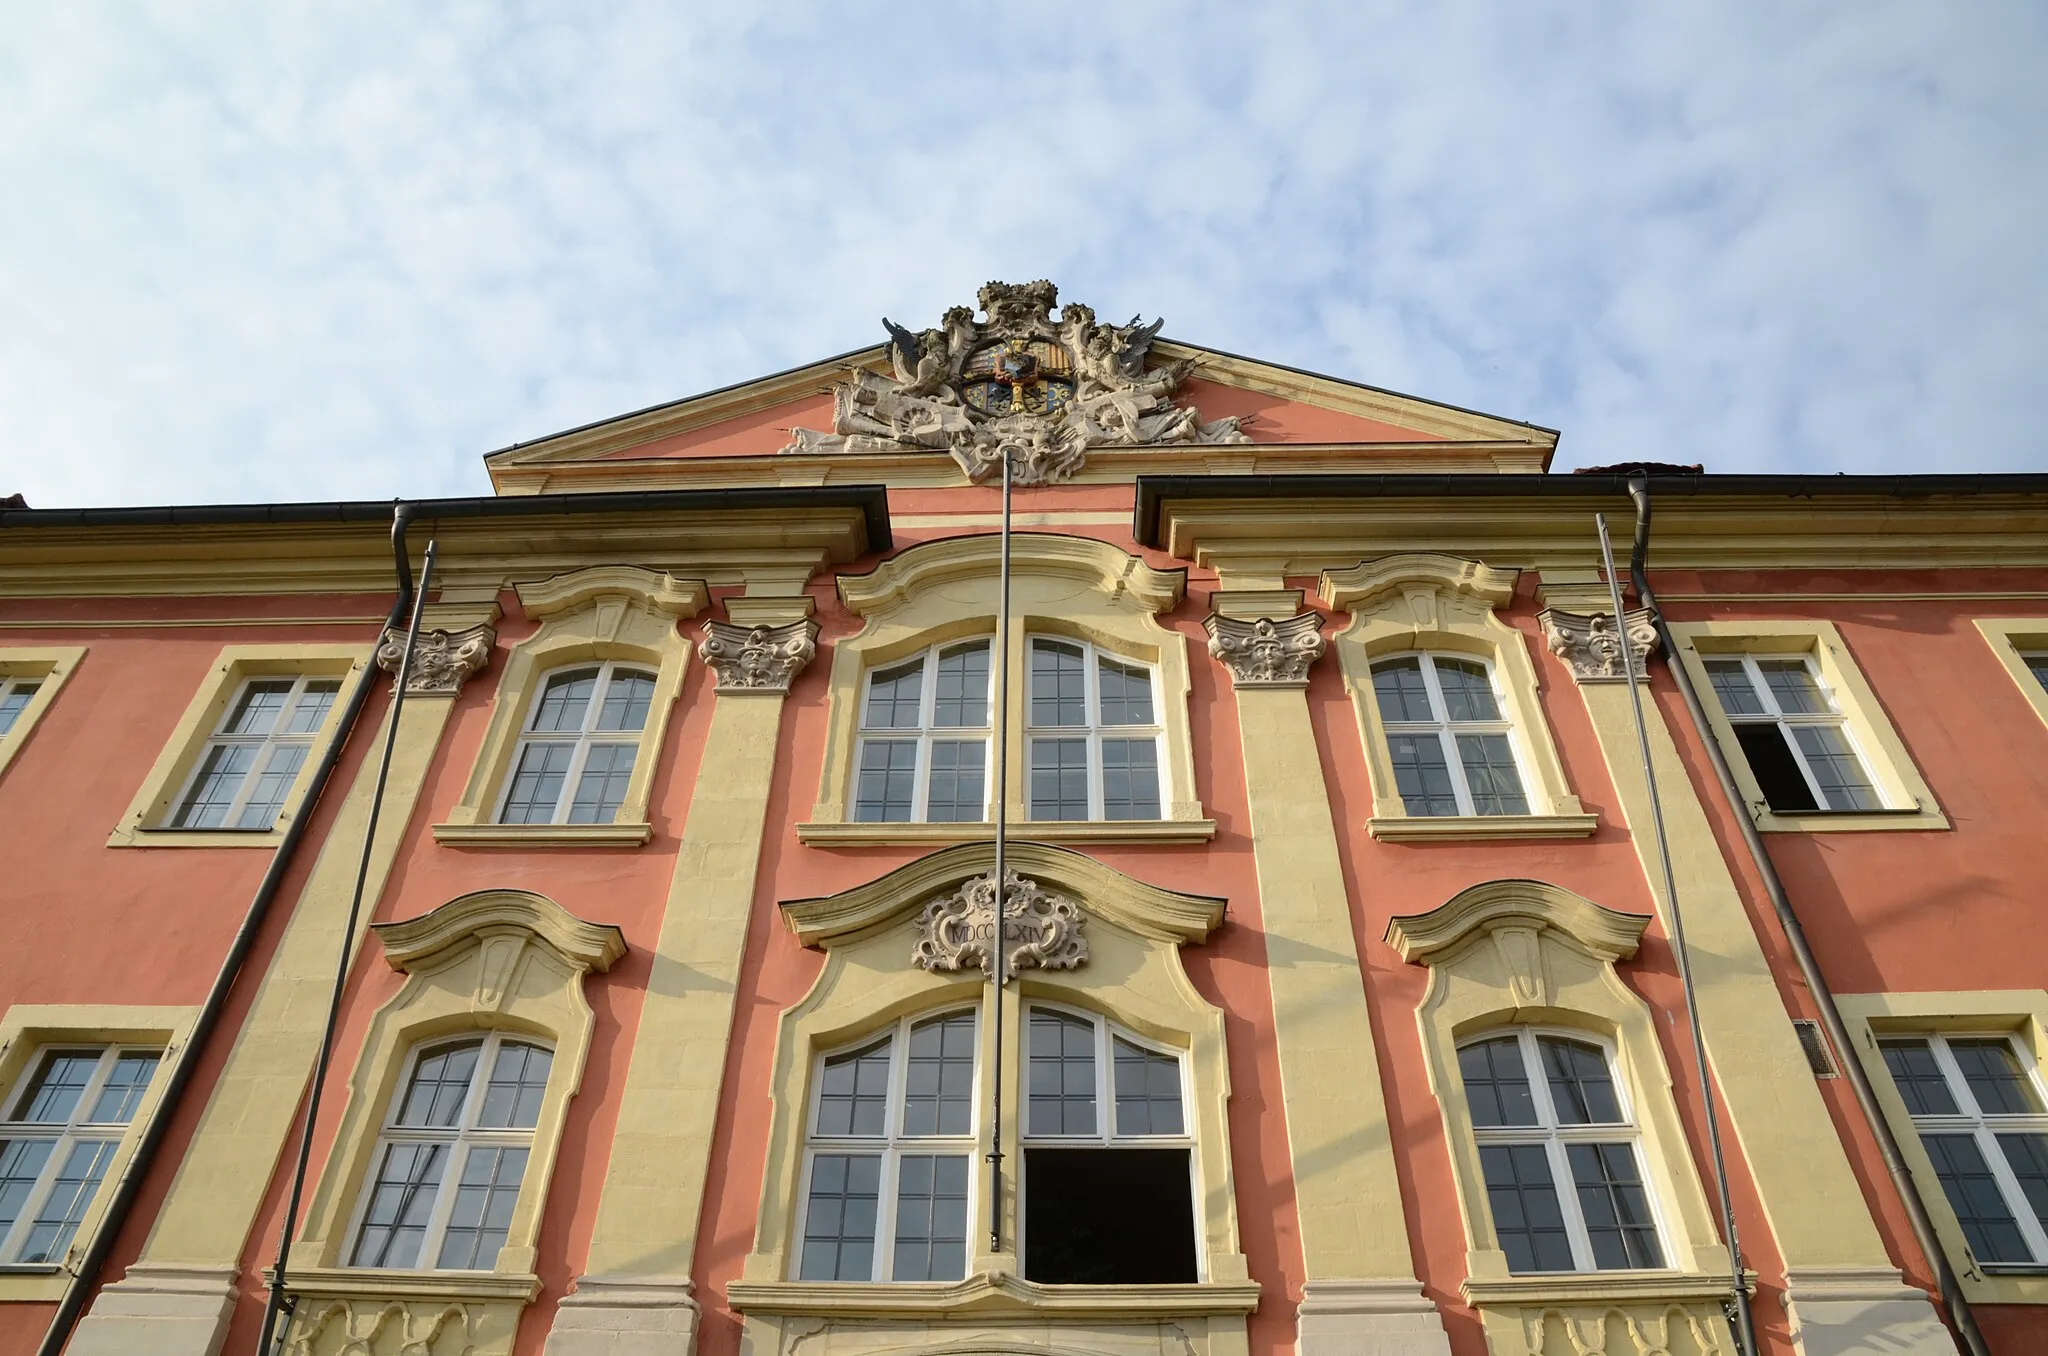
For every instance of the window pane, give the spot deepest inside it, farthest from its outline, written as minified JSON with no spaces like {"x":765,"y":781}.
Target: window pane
{"x":1126,"y":693}
{"x":1402,"y":695}
{"x":1921,"y":1084}
{"x":1496,"y":1082}
{"x":893,"y":696}
{"x":53,"y":1094}
{"x":1421,"y":775}
{"x":1995,"y":1077}
{"x":122,"y":1092}
{"x":853,"y":1098}
{"x":1580,"y":1086}
{"x":21,"y":1163}
{"x":1101,"y":1216}
{"x":1732,"y":685}
{"x":1791,"y":682}
{"x":313,"y":705}
{"x":601,"y":789}
{"x":839,"y":1222}
{"x":272,"y":785}
{"x":440,"y":1085}
{"x":1614,"y":1205}
{"x":2027,"y":1156}
{"x":1490,"y":775}
{"x":1776,"y":767}
{"x":213,"y":791}
{"x":961,"y":701}
{"x":481,"y":1216}
{"x":2036,"y":662}
{"x":1468,"y":695}
{"x":257,"y":709}
{"x":1980,"y":1207}
{"x":1835,"y":766}
{"x":931,"y":1218}
{"x":13,"y":700}
{"x":1059,"y":684}
{"x":1130,"y":779}
{"x":955,"y":795}
{"x":563,"y":702}
{"x":1062,"y":1075}
{"x":939,"y":1083}
{"x":1059,"y":779}
{"x":1526,"y":1216}
{"x":885,"y":791}
{"x":537,"y":784}
{"x":1147,"y":1091}
{"x":626,"y":701}
{"x":65,"y":1206}
{"x":402,"y":1201}
{"x":519,"y":1079}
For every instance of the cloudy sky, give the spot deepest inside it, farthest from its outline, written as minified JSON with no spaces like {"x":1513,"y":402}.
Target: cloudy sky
{"x":310,"y":252}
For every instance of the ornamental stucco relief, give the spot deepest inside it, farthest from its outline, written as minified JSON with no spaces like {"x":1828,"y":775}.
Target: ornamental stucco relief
{"x":1040,"y":930}
{"x":1591,"y":647}
{"x":758,"y":658}
{"x":1265,"y":652}
{"x":1018,"y":384}
{"x":442,"y":661}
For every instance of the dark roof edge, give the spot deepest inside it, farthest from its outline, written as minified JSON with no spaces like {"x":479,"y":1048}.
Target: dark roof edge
{"x":871,"y":500}
{"x":1154,"y":491}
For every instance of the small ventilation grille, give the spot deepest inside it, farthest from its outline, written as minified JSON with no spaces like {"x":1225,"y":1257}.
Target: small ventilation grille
{"x":1818,"y":1056}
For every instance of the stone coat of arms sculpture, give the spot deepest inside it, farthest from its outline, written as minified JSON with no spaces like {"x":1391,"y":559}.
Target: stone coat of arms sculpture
{"x":1019,"y":384}
{"x":1040,"y":930}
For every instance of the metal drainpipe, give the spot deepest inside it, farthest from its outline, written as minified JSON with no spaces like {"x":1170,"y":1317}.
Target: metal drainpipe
{"x":130,"y":1186}
{"x":1964,"y":1322}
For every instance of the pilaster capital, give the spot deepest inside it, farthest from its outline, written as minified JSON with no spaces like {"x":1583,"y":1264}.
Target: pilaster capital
{"x":1590,"y":645}
{"x":1263,"y":652}
{"x":763,"y":659}
{"x":442,"y":661}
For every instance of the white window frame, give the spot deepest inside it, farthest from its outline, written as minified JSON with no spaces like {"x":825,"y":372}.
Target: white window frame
{"x":892,"y":1144}
{"x":1554,"y":1136}
{"x":461,"y":1140}
{"x":1786,"y":722}
{"x":582,"y":738}
{"x":1447,"y":731}
{"x":926,"y":732}
{"x":26,"y":688}
{"x":65,"y":1134}
{"x":1094,"y":731}
{"x":1970,"y":1119}
{"x":266,"y":746}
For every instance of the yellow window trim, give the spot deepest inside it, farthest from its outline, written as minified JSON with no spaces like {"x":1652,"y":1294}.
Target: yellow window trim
{"x":2019,"y":1013}
{"x":52,"y":665}
{"x":1891,"y":766}
{"x":604,"y":612}
{"x":142,"y":824}
{"x":26,"y":1028}
{"x":2007,"y":636}
{"x":1065,"y":586}
{"x":1445,"y":604}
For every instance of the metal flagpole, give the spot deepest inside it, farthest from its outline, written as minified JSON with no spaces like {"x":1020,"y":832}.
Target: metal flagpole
{"x":998,"y":951}
{"x":1745,"y":1326}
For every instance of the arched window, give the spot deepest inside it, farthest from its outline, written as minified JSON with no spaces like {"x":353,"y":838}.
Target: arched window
{"x":1093,"y":730}
{"x":1559,"y":1152}
{"x":451,"y":1157}
{"x":1452,"y":749}
{"x":924,"y":739}
{"x":579,"y":743}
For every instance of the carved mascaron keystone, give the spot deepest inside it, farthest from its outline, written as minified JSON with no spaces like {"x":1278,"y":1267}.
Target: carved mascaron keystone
{"x":758,"y":658}
{"x":1267,"y":653}
{"x":1018,"y":385}
{"x":1040,"y":930}
{"x":1590,"y":646}
{"x":442,"y":661}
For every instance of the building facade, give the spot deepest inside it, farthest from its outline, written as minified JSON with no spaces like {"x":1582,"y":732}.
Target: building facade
{"x":628,"y":986}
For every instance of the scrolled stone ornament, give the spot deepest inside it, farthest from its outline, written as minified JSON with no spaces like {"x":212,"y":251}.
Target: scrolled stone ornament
{"x":442,"y":661}
{"x":1265,"y":652}
{"x":1040,"y":930}
{"x":1591,"y":647}
{"x":758,"y":658}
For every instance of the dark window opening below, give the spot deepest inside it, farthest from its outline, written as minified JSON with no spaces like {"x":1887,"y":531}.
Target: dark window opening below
{"x":1776,"y":768}
{"x":1108,"y":1216}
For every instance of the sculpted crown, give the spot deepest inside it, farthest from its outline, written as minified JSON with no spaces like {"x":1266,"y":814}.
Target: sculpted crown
{"x":1019,"y":385}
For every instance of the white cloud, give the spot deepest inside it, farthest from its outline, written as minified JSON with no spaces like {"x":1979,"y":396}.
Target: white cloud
{"x":255,"y":254}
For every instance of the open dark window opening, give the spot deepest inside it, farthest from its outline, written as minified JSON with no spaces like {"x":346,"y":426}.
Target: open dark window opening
{"x":1776,"y":768}
{"x":1108,"y":1216}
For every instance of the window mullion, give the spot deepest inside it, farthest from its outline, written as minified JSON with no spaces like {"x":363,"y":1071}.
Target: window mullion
{"x":1105,"y":1092}
{"x":565,"y":799}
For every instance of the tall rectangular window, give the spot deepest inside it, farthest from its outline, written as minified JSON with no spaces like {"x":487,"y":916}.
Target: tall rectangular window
{"x":1793,"y":734}
{"x":923,"y":755}
{"x":58,"y":1134}
{"x":1093,"y":734}
{"x":245,"y":773}
{"x":1451,"y":747}
{"x":575,"y":759}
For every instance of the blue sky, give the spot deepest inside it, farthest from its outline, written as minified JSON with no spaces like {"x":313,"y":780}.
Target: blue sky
{"x":299,"y":252}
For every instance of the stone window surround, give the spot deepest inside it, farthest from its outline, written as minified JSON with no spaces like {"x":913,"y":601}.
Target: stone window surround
{"x":946,"y":590}
{"x":2008,"y":637}
{"x":1419,"y":601}
{"x":51,"y":666}
{"x":28,"y":1028}
{"x":603,"y":612}
{"x":1891,"y":767}
{"x":142,"y":824}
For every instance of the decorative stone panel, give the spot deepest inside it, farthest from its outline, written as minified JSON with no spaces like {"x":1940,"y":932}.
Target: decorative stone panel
{"x":1265,"y":652}
{"x":1041,"y":931}
{"x":442,"y":661}
{"x":1590,"y":645}
{"x":758,"y":658}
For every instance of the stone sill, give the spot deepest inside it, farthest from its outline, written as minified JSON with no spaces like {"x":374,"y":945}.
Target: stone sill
{"x":989,"y":1294}
{"x":136,"y":836}
{"x":366,"y":1282}
{"x":1850,"y":821}
{"x":543,"y":835}
{"x":1600,"y":1287}
{"x":1032,"y":830}
{"x":1471,"y":828}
